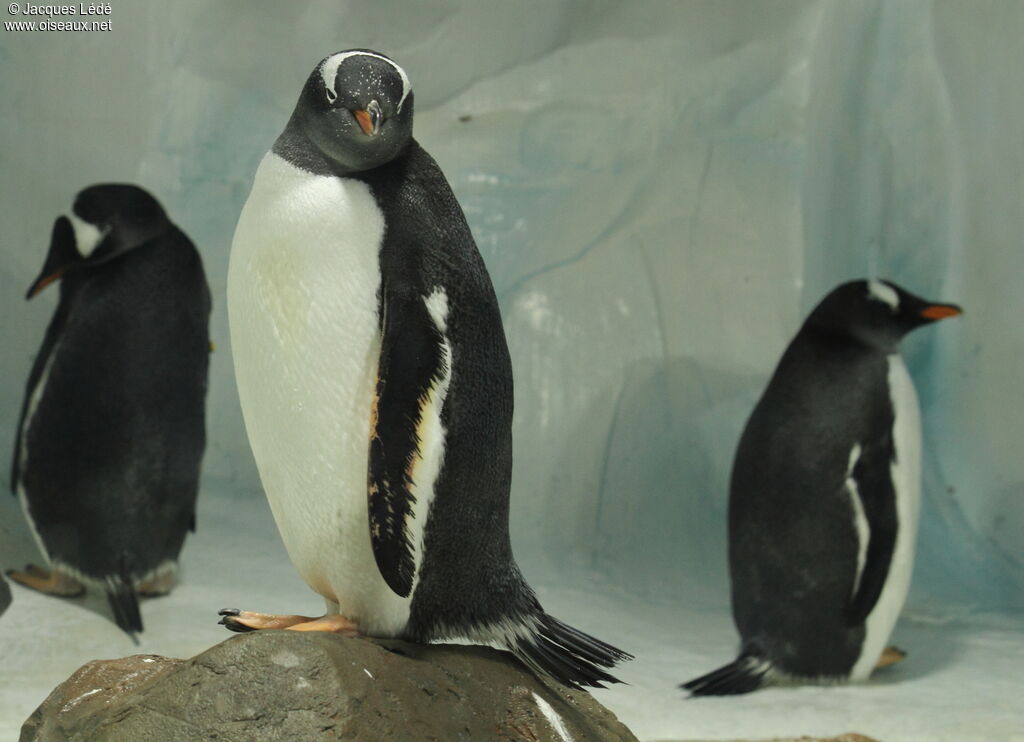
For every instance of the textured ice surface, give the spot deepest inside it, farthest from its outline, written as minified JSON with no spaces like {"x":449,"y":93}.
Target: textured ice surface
{"x":661,"y":190}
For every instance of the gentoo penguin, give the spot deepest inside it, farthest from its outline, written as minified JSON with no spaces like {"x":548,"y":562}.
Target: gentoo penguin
{"x":106,"y":460}
{"x":376,"y":383}
{"x":824,"y":497}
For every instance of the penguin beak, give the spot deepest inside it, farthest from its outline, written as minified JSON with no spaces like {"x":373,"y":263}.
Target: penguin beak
{"x":370,"y":118}
{"x":42,"y":282}
{"x":935,"y":312}
{"x":60,"y":257}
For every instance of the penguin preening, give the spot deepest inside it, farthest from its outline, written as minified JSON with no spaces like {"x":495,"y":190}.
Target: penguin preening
{"x":107,"y":455}
{"x":376,"y":383}
{"x":824,"y":497}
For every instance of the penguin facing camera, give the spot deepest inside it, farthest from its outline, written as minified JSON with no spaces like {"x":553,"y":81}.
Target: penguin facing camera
{"x":107,"y":455}
{"x":825,"y":495}
{"x":376,"y":383}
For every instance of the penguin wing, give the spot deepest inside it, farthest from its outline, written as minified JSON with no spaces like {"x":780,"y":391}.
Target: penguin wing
{"x":61,"y":235}
{"x":412,"y":380}
{"x":872,"y":480}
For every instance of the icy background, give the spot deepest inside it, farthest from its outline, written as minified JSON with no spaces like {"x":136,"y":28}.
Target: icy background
{"x":661,"y":191}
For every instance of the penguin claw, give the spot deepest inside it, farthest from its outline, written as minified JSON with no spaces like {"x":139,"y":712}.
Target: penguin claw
{"x":232,"y":625}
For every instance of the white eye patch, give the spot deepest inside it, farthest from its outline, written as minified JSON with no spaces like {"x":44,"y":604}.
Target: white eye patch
{"x":884,"y":293}
{"x":329,"y":73}
{"x":87,"y":236}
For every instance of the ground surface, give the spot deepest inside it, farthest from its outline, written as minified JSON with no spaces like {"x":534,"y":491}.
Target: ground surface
{"x":962,"y":680}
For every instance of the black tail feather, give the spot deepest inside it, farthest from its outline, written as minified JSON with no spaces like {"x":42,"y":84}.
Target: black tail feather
{"x":124,"y":603}
{"x":568,"y":655}
{"x":743,"y":675}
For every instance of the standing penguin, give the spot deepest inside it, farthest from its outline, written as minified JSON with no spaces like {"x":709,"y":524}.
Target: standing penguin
{"x":107,"y":455}
{"x":376,"y":383}
{"x":824,"y":498}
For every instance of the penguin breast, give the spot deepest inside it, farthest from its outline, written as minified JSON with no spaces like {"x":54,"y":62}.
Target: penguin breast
{"x":303,"y":306}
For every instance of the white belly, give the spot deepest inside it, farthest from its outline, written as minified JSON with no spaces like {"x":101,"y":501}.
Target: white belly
{"x":906,"y":477}
{"x":30,"y":412}
{"x":302,"y":303}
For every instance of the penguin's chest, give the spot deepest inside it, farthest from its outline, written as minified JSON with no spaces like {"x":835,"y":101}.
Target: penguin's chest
{"x":303,"y":304}
{"x":905,"y":471}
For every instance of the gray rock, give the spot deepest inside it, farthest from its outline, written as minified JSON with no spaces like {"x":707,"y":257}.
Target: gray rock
{"x":283,"y":685}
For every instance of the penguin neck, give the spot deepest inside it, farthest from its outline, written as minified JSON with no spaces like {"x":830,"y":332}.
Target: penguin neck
{"x":295,"y":147}
{"x":78,"y":274}
{"x":855,"y":341}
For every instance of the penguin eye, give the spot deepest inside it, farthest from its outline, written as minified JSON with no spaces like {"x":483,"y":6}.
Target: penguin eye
{"x":331,"y":95}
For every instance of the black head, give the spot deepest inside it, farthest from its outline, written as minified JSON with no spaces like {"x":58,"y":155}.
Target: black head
{"x":105,"y":221}
{"x":877,"y":313}
{"x":354,"y":114}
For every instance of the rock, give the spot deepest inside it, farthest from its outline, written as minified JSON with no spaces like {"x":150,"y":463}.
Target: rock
{"x":283,"y":685}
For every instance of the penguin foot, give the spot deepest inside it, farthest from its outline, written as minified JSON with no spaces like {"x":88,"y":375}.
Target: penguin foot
{"x":334,"y":623}
{"x":890,"y":656}
{"x":242,"y":621}
{"x":158,"y":586}
{"x":50,"y":582}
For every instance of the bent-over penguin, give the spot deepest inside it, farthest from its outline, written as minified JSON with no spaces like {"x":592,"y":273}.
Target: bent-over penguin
{"x":112,"y":431}
{"x":376,"y":383}
{"x":824,"y":497}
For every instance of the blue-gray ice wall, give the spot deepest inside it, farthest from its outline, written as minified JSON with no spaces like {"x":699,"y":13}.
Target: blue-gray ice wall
{"x":661,"y":191}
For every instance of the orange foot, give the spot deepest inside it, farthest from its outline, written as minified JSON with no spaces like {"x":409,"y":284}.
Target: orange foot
{"x":236,"y":620}
{"x":890,"y":656}
{"x":50,"y":582}
{"x":158,"y":586}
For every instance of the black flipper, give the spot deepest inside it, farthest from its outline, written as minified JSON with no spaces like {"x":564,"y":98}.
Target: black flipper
{"x":568,"y":655}
{"x":62,"y":251}
{"x":743,"y":675}
{"x":872,"y":475}
{"x":124,"y":603}
{"x":414,"y":359}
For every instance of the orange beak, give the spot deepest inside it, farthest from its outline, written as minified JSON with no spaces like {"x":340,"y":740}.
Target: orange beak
{"x":940,"y":311}
{"x":44,"y":282}
{"x":370,"y":118}
{"x":365,"y":122}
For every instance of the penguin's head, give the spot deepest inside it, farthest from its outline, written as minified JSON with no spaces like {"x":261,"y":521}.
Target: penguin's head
{"x":105,"y":221}
{"x":356,"y":110}
{"x":877,"y":313}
